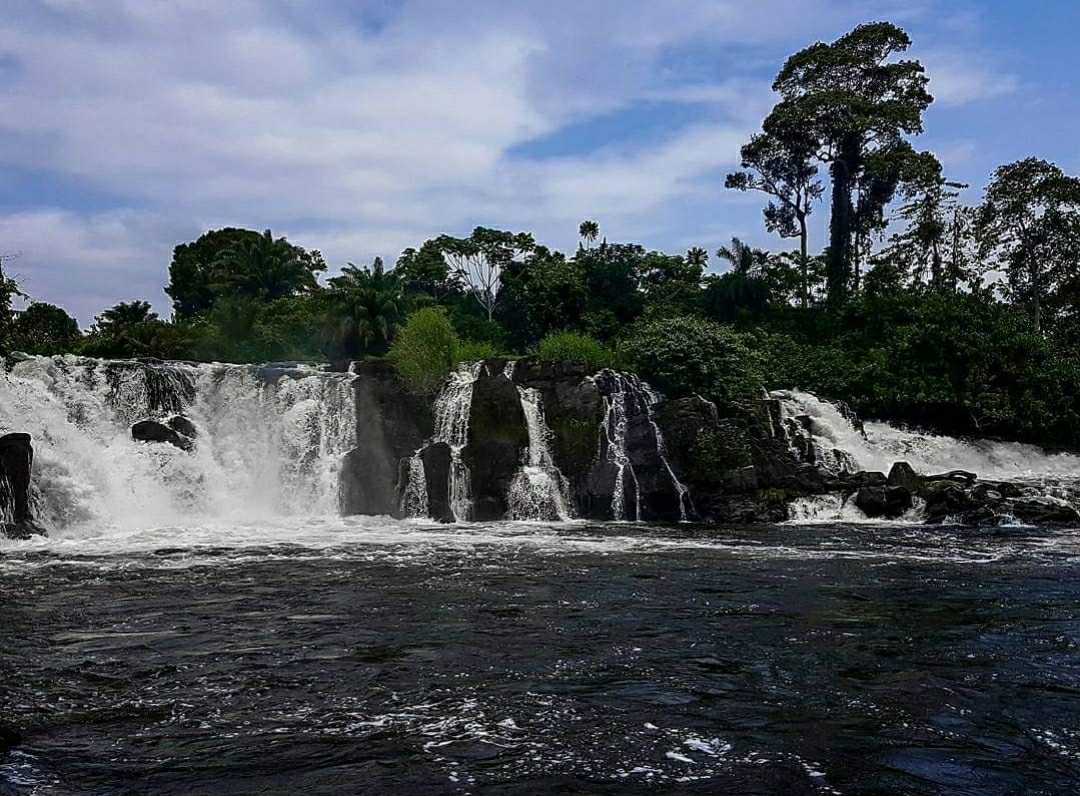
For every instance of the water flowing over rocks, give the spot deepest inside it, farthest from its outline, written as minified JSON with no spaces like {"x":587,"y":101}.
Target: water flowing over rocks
{"x":522,"y":440}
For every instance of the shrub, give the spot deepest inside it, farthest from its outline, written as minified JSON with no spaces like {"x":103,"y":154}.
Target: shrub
{"x":471,"y":351}
{"x":425,"y":350}
{"x":683,"y":356}
{"x":576,"y":348}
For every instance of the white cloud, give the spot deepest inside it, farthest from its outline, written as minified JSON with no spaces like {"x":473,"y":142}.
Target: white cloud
{"x":363,"y":126}
{"x":959,"y":78}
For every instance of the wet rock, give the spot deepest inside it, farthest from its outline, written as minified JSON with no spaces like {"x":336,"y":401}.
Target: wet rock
{"x":887,"y":502}
{"x":153,"y":431}
{"x":945,"y":499}
{"x":959,"y":476}
{"x":862,"y":478}
{"x":183,"y":425}
{"x":497,"y":442}
{"x":903,"y":474}
{"x":16,"y":465}
{"x":437,"y":462}
{"x":1044,"y":511}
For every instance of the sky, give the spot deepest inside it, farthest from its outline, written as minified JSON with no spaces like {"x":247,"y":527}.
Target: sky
{"x":361,"y":127}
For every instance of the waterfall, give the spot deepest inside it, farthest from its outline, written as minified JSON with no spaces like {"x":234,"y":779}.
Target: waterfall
{"x":269,"y":441}
{"x":840,"y":445}
{"x":629,"y":400}
{"x":451,"y":410}
{"x":539,"y":491}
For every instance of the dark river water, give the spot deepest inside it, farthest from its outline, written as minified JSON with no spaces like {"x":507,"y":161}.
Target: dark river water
{"x":519,"y":659}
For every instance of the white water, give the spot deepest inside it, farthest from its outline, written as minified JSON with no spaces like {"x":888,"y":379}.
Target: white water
{"x":539,"y":491}
{"x":452,"y":409}
{"x":263,"y":450}
{"x":614,"y":429}
{"x":926,"y":453}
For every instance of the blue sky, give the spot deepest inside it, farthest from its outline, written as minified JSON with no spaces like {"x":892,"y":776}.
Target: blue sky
{"x":362,"y":127}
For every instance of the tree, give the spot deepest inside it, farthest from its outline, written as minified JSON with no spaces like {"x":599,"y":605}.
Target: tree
{"x":479,"y":260}
{"x":233,"y":261}
{"x":697,"y":257}
{"x":589,"y":232}
{"x":781,"y":165}
{"x":425,"y":270}
{"x":744,"y":260}
{"x":124,"y":317}
{"x":1029,"y":222}
{"x":856,"y":103}
{"x":426,"y":350}
{"x":45,"y":329}
{"x":364,"y":309}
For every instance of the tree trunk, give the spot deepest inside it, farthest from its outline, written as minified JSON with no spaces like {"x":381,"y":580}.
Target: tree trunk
{"x":803,"y":265}
{"x":842,"y":222}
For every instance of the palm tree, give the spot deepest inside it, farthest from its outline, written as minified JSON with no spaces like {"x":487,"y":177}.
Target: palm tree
{"x":267,"y":268}
{"x":589,"y":232}
{"x":365,"y":308}
{"x":697,"y":257}
{"x":745,"y":260}
{"x":124,"y":317}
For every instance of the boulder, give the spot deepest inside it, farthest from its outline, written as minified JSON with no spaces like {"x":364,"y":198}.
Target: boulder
{"x":887,"y":502}
{"x":903,"y":474}
{"x":497,"y":441}
{"x":437,"y":462}
{"x":946,"y":498}
{"x":1044,"y":511}
{"x":959,"y":476}
{"x":153,"y":431}
{"x":16,"y":465}
{"x":183,"y":425}
{"x":857,"y":480}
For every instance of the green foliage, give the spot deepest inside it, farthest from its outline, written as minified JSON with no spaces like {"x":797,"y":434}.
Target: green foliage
{"x":576,"y":348}
{"x":478,"y":260}
{"x":44,"y":329}
{"x":426,"y":350}
{"x":471,"y":351}
{"x":364,"y":308}
{"x":687,"y":356}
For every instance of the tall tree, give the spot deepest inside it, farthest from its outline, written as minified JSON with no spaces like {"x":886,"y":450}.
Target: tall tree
{"x":1029,"y":222}
{"x":589,"y":232}
{"x":478,"y":260}
{"x":9,"y":291}
{"x":697,"y":257}
{"x":855,"y":101}
{"x":45,"y":329}
{"x":425,"y":270}
{"x":781,"y":165}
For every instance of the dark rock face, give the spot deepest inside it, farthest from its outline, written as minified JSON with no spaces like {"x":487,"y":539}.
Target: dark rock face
{"x":902,"y":474}
{"x":497,"y":442}
{"x":153,"y":431}
{"x":391,"y":424}
{"x":16,"y":464}
{"x":437,"y":463}
{"x":883,"y":501}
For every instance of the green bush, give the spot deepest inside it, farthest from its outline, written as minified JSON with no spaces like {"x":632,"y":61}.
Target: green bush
{"x":576,"y":348}
{"x":471,"y":351}
{"x":425,"y":350}
{"x":683,"y":356}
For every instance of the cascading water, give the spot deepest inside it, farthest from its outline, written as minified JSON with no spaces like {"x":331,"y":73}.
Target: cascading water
{"x":631,"y":400}
{"x":451,"y":410}
{"x":539,"y":491}
{"x":883,"y":445}
{"x":269,"y":443}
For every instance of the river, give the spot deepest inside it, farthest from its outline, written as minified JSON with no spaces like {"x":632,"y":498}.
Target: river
{"x":371,"y":656}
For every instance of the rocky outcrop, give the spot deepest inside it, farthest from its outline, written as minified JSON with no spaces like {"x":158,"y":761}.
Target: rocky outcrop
{"x":391,"y":425}
{"x":437,"y":461}
{"x":154,"y":431}
{"x":497,"y":441}
{"x":16,"y":465}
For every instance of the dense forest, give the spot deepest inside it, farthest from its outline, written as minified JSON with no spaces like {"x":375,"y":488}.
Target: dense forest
{"x":921,"y":308}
